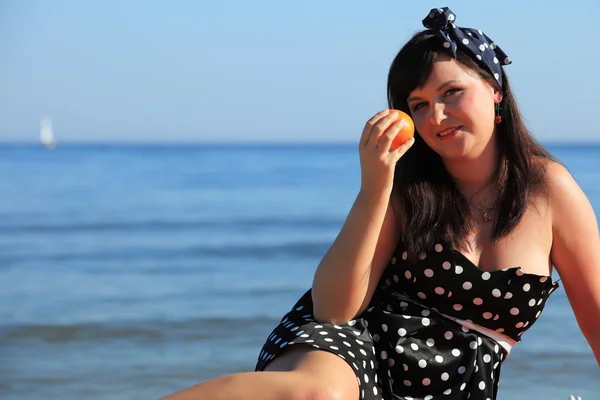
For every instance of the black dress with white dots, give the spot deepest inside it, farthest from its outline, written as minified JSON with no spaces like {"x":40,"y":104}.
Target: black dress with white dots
{"x":439,"y":328}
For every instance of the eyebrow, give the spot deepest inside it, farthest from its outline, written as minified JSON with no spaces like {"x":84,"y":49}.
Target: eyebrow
{"x":413,"y":98}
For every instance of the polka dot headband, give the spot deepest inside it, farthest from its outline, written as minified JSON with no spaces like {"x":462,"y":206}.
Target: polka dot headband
{"x":471,"y":41}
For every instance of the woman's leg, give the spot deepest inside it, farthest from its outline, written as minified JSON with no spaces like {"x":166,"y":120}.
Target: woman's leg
{"x":300,"y":373}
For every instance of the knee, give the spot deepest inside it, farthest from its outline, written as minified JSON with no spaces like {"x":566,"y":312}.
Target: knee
{"x":335,"y":393}
{"x":318,"y":391}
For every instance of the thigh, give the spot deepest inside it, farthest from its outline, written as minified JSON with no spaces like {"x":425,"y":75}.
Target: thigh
{"x":321,"y":368}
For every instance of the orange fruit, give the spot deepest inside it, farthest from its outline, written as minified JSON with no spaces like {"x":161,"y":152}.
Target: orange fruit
{"x":407,"y":129}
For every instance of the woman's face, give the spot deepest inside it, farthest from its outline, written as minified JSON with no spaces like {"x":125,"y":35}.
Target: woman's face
{"x":454,"y":111}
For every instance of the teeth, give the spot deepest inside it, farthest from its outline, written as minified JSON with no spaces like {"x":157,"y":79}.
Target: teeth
{"x":447,"y":132}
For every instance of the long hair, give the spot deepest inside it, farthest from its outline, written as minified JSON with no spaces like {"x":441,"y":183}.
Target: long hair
{"x":431,"y":208}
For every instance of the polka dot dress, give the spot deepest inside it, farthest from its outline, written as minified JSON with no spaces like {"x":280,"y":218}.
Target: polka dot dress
{"x":407,"y":345}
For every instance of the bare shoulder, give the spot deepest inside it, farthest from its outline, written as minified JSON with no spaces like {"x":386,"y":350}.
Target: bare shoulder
{"x":553,"y":184}
{"x":558,"y":177}
{"x":575,"y":244}
{"x":562,"y":190}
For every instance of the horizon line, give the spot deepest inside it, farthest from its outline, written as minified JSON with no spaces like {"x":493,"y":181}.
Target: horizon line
{"x":260,"y":142}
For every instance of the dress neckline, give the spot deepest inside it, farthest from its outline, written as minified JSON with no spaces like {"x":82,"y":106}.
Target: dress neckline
{"x":517,"y":268}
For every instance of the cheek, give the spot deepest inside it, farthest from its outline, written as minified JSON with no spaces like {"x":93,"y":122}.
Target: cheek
{"x":468,"y":101}
{"x":419,"y":121}
{"x":422,"y":120}
{"x":476,"y":109}
{"x":423,"y":128}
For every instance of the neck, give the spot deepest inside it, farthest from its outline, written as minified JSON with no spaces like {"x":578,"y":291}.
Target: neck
{"x":472,"y":175}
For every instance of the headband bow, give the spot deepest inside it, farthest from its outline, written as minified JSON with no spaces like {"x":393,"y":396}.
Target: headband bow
{"x":472,"y":41}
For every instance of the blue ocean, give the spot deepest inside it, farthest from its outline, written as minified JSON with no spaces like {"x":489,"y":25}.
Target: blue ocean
{"x":132,"y":271}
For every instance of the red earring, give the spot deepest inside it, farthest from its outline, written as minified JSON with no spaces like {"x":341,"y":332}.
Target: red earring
{"x":498,"y":118}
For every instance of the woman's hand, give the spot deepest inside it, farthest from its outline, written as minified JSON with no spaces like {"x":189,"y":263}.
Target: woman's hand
{"x":376,"y":160}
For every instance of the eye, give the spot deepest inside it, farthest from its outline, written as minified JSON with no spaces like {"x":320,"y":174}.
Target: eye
{"x":452,"y":91}
{"x":418,"y":106}
{"x":448,"y":92}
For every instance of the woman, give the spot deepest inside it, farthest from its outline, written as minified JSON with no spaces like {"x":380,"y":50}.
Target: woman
{"x":445,"y":258}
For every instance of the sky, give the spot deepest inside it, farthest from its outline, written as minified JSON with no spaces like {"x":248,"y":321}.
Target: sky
{"x":267,"y":71}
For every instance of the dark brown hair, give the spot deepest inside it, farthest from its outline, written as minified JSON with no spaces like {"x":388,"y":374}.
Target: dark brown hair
{"x":431,"y":208}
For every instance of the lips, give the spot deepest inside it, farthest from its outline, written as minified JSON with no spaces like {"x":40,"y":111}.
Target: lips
{"x":447,"y":131}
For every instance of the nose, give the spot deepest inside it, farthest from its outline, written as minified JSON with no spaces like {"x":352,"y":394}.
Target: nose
{"x":437,"y":114}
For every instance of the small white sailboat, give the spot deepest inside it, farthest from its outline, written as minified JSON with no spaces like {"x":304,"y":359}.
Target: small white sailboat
{"x":47,"y":133}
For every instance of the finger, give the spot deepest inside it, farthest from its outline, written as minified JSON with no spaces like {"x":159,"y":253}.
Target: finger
{"x":380,"y":128}
{"x":366,"y":133}
{"x":403,"y":148}
{"x":386,"y":139}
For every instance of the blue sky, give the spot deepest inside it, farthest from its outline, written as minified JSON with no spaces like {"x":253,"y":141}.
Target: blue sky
{"x":231,"y":71}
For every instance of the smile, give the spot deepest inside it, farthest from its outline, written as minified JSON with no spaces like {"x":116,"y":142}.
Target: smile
{"x":448,"y":131}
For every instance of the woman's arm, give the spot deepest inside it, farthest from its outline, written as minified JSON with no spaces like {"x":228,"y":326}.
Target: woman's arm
{"x":349,"y":272}
{"x":576,"y":251}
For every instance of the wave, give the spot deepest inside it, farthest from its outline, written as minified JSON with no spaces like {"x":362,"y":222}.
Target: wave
{"x":296,"y":249}
{"x":197,"y":329}
{"x":170,"y":226}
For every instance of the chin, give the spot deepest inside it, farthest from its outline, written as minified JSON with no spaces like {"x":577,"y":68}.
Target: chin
{"x":456,"y":151}
{"x":461,"y":150}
